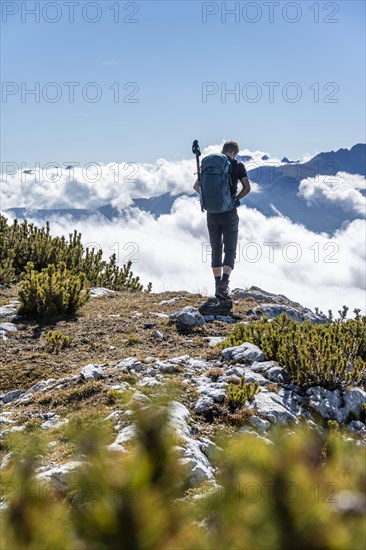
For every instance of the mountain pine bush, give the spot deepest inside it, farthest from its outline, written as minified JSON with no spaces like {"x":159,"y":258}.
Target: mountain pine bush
{"x":238,"y":394}
{"x":331,"y":355}
{"x":305,"y":491}
{"x":7,"y":255}
{"x":51,"y":293}
{"x":56,"y":341}
{"x":21,"y":243}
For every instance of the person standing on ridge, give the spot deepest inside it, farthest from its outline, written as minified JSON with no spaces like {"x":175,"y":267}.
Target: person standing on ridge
{"x":217,"y":178}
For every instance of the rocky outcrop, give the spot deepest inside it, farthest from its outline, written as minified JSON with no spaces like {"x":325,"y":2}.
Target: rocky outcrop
{"x":273,"y":305}
{"x":211,"y":310}
{"x":274,"y":310}
{"x":213,"y":306}
{"x":336,"y":405}
{"x":193,"y":452}
{"x":92,"y":372}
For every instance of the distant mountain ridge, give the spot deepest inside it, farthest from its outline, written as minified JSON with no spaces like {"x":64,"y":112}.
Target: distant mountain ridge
{"x":279,"y":186}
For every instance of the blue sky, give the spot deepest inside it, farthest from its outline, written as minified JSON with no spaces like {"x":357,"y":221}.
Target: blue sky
{"x":169,"y":53}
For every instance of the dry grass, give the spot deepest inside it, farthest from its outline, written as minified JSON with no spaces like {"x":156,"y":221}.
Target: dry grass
{"x":7,"y":295}
{"x":103,"y":323}
{"x":214,"y":373}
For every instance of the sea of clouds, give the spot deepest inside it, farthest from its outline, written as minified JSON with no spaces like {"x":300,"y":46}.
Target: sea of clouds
{"x":95,"y":184}
{"x":173,"y":251}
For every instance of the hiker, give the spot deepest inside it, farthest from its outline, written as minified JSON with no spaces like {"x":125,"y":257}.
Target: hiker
{"x":223,"y":225}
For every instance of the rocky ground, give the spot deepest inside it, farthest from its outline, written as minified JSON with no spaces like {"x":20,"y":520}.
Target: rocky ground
{"x":128,"y":349}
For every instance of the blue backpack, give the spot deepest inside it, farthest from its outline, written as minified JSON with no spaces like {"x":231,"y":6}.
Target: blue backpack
{"x":215,"y":181}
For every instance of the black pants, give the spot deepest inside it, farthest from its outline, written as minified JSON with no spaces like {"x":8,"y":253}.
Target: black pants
{"x":223,"y":229}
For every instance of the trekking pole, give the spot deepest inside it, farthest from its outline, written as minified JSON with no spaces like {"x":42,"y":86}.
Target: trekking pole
{"x":196,"y":151}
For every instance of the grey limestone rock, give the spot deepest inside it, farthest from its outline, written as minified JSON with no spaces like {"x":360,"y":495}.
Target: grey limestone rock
{"x":148,"y":381}
{"x":188,"y":317}
{"x":5,"y":328}
{"x":130,"y":363}
{"x":335,"y":404}
{"x":263,"y":366}
{"x":60,"y":475}
{"x":209,"y":318}
{"x":11,"y":396}
{"x":203,"y":404}
{"x":100,"y":291}
{"x":6,"y":311}
{"x":214,"y":340}
{"x":246,"y":352}
{"x":274,"y":310}
{"x":259,"y":423}
{"x":92,"y":372}
{"x":278,"y":375}
{"x":225,"y":319}
{"x":213,"y":306}
{"x":275,"y":408}
{"x":165,"y":367}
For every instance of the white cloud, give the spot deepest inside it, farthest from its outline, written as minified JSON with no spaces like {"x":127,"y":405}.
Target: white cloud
{"x":256,"y":155}
{"x":341,"y":190}
{"x":94,"y":184}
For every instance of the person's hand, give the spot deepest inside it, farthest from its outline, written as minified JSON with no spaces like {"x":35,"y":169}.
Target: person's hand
{"x":237,"y":202}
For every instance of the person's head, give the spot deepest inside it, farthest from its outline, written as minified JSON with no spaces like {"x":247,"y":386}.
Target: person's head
{"x":230,"y":148}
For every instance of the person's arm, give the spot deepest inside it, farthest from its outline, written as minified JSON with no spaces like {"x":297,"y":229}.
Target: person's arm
{"x":196,"y":186}
{"x":246,"y":188}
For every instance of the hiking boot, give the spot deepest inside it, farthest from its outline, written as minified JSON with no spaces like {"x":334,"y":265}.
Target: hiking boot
{"x":224,"y":293}
{"x":218,"y":289}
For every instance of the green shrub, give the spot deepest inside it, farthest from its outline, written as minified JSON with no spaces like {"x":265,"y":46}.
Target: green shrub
{"x":22,"y":243}
{"x":7,"y":273}
{"x":306,"y":487}
{"x":331,"y":355}
{"x":238,"y":394}
{"x":51,"y":293}
{"x":7,"y":255}
{"x":57,"y":341}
